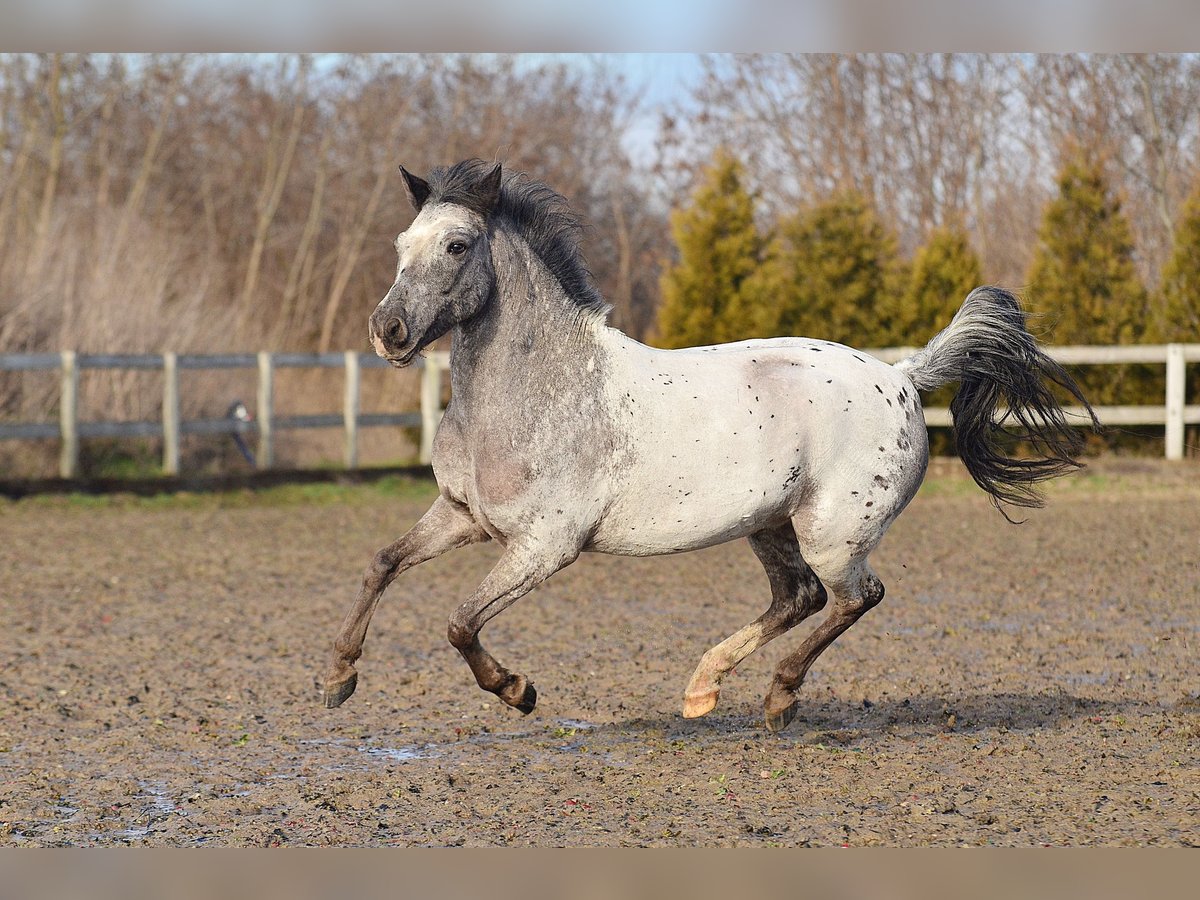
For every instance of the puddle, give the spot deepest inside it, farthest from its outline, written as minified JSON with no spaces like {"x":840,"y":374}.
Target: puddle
{"x":576,"y":724}
{"x":158,"y":809}
{"x":397,"y":754}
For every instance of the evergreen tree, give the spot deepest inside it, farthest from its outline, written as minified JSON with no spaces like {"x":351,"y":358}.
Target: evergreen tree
{"x":1179,"y":302}
{"x":719,"y":249}
{"x":827,"y":274}
{"x":1083,"y":280}
{"x":944,"y":271}
{"x":1178,"y":319}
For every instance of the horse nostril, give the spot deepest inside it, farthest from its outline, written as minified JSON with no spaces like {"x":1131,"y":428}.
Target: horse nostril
{"x":393,"y":330}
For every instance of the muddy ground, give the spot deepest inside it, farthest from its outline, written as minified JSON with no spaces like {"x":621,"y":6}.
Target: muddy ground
{"x":1019,"y":685}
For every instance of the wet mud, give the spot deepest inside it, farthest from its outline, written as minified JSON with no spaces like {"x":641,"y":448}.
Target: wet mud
{"x":1024,"y":685}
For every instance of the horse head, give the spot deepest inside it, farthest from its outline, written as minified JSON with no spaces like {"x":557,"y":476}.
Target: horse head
{"x":444,"y":274}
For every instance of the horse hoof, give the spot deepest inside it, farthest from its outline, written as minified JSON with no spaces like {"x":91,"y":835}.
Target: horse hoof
{"x":335,"y":693}
{"x":696,"y":705}
{"x":528,"y":700}
{"x":777,"y":721}
{"x":519,"y":694}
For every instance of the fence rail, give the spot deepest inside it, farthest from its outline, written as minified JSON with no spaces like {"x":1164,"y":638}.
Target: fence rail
{"x":1175,"y":414}
{"x":69,"y":429}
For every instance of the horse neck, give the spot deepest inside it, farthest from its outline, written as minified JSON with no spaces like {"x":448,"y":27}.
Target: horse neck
{"x":529,"y":326}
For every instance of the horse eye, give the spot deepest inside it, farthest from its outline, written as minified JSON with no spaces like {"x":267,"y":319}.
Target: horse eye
{"x":456,"y":247}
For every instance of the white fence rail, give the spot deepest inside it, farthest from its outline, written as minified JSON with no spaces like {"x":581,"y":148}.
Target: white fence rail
{"x":1174,"y":413}
{"x":69,"y":429}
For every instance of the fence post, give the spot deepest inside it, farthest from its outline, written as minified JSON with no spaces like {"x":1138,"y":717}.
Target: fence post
{"x":170,"y":414}
{"x":431,"y":401}
{"x":1175,"y":400}
{"x":350,"y":411}
{"x":68,"y":415}
{"x":265,"y":458}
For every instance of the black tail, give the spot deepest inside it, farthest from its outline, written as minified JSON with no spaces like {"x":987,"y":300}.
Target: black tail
{"x":1003,"y":377}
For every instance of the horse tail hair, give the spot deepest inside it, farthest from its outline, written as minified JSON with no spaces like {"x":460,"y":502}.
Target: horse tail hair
{"x":1004,"y":378}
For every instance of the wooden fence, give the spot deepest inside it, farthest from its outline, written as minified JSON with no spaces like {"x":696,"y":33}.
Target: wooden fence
{"x":1174,"y":413}
{"x":170,"y":427}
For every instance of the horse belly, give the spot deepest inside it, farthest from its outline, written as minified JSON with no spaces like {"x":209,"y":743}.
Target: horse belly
{"x":715,"y":490}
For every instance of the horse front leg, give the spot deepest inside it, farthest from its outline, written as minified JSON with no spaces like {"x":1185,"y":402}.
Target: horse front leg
{"x":446,"y":525}
{"x":520,"y":570}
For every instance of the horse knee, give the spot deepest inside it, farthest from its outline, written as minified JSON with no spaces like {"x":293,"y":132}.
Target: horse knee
{"x":381,"y":571}
{"x":460,"y":634}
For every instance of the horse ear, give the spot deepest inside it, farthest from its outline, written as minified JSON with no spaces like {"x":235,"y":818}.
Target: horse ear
{"x":488,"y":189}
{"x":418,"y":188}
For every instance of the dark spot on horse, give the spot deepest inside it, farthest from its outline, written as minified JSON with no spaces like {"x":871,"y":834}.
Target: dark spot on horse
{"x":882,"y":482}
{"x":830,"y":381}
{"x":854,"y":493}
{"x":880,"y":449}
{"x":870,"y":503}
{"x":878,"y":388}
{"x":889,"y":400}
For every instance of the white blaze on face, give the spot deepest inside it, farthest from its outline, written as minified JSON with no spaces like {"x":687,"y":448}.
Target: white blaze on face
{"x":430,"y":231}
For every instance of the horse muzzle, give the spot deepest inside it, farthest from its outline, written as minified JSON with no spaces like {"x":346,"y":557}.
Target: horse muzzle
{"x":389,"y":335}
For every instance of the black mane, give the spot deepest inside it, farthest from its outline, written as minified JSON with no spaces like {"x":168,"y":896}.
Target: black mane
{"x":539,"y":214}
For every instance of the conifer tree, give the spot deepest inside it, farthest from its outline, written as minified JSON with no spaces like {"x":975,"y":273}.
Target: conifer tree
{"x":719,"y":248}
{"x":1178,"y":320}
{"x":1178,"y":313}
{"x":827,"y":273}
{"x":1082,"y":279}
{"x":944,"y":270}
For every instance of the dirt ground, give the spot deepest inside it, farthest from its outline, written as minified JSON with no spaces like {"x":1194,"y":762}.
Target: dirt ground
{"x":1020,"y":685}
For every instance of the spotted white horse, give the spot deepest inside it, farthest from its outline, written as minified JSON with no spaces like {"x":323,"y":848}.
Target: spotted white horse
{"x":564,"y":435}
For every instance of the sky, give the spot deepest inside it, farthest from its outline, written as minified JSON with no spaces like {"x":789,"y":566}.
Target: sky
{"x":661,"y":79}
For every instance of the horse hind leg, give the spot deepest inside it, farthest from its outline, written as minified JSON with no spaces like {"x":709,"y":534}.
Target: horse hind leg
{"x":796,"y":593}
{"x":855,"y":590}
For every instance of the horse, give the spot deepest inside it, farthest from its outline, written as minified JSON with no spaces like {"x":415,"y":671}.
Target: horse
{"x":564,"y":435}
